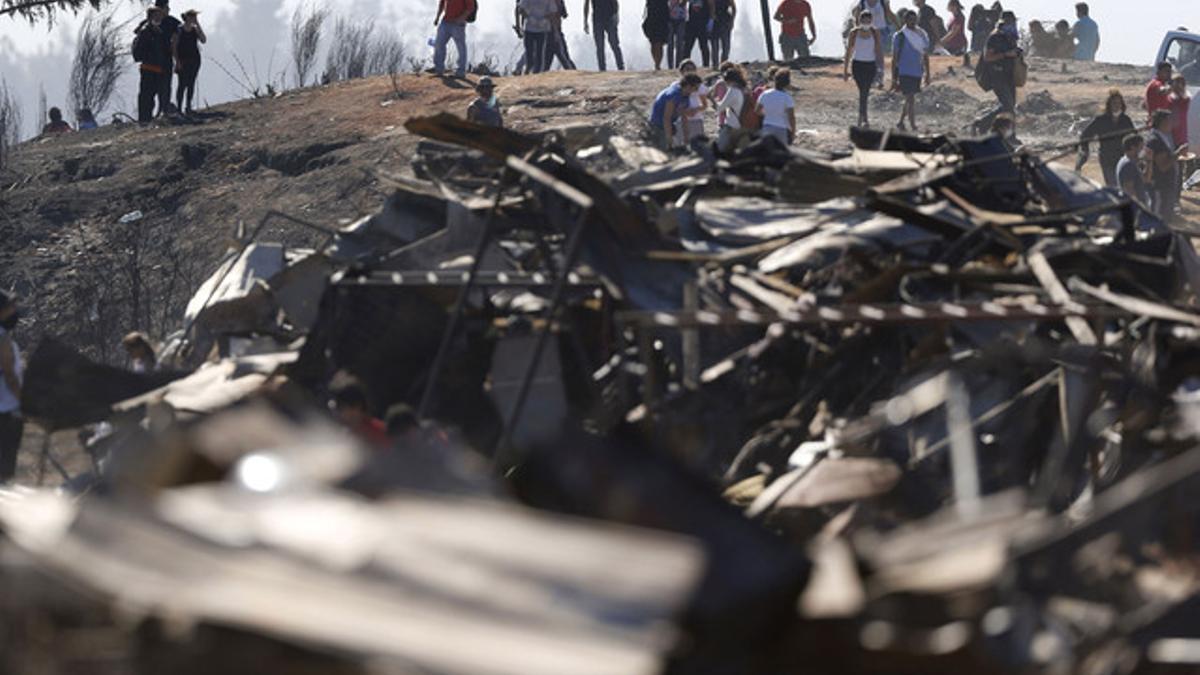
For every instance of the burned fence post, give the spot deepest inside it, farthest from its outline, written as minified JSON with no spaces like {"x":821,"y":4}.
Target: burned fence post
{"x":571,"y":254}
{"x":460,"y":305}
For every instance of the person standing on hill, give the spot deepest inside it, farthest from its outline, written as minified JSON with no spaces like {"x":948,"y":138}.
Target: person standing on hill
{"x":910,"y":66}
{"x":11,"y":373}
{"x":1110,"y":128}
{"x":152,"y":51}
{"x":883,"y":19}
{"x":980,"y":24}
{"x":186,"y":50}
{"x":1086,"y":34}
{"x":1063,"y":40}
{"x":929,"y":21}
{"x":794,"y":42}
{"x":657,"y":29}
{"x":451,"y":21}
{"x":699,"y":28}
{"x":955,"y":40}
{"x":677,"y":31}
{"x":1179,"y":102}
{"x":777,"y":109}
{"x":1158,"y":91}
{"x":1000,"y":60}
{"x":605,"y":20}
{"x":535,"y":20}
{"x":170,"y":26}
{"x":726,"y":12}
{"x":864,"y":58}
{"x":1164,"y":165}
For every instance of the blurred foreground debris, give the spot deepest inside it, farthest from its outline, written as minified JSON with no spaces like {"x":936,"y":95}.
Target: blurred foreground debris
{"x":929,"y":406}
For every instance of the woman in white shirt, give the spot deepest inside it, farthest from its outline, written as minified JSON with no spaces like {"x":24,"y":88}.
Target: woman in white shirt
{"x":778,"y":109}
{"x":729,"y":109}
{"x":864,"y":49}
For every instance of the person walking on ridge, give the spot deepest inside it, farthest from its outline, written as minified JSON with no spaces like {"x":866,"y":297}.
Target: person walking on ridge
{"x":451,"y":21}
{"x":910,"y":66}
{"x":864,"y":59}
{"x":656,"y":26}
{"x":722,"y":32}
{"x":605,"y":21}
{"x":1086,"y":34}
{"x":793,"y":40}
{"x":152,"y":51}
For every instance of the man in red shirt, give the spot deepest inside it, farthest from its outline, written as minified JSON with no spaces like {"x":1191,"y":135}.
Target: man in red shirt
{"x":451,"y":21}
{"x":1158,"y":92}
{"x":792,"y":38}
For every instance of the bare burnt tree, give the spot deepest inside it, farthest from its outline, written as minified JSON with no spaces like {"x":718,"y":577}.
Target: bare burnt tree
{"x":307,"y":28}
{"x":10,"y":123}
{"x":97,"y":66}
{"x":43,"y":110}
{"x":351,"y":50}
{"x":386,"y":55}
{"x":43,"y":10}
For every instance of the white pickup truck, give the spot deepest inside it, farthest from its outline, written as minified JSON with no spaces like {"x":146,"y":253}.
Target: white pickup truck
{"x":1182,"y":49}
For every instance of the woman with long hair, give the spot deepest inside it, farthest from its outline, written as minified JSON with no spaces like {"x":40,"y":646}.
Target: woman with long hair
{"x":864,"y":59}
{"x":1109,"y":128}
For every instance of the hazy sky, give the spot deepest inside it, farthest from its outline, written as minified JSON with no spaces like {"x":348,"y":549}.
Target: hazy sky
{"x":256,"y":32}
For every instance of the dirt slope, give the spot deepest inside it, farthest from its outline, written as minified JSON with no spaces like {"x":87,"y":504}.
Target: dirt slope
{"x":88,"y":277}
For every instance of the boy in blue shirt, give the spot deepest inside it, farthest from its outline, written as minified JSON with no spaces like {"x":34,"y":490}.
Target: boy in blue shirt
{"x":669,"y":106}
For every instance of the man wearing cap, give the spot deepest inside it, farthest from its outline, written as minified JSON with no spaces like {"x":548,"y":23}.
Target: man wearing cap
{"x":152,"y":51}
{"x":485,"y":109}
{"x":451,"y":22}
{"x":11,"y":424}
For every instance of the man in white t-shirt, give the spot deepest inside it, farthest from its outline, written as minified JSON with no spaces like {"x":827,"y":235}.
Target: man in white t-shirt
{"x":778,"y":109}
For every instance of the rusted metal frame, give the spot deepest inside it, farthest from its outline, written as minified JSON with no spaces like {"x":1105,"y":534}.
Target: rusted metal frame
{"x":570,"y":256}
{"x":460,"y":304}
{"x":869,"y":314}
{"x":262,"y":223}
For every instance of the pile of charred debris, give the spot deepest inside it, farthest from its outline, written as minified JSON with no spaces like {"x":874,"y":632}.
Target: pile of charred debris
{"x":929,"y":406}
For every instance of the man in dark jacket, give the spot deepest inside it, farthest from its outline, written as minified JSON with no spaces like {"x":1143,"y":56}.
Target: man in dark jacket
{"x":152,"y":50}
{"x":170,"y":26}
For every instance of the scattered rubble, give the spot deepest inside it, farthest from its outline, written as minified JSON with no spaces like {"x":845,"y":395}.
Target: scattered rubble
{"x":927,"y":406}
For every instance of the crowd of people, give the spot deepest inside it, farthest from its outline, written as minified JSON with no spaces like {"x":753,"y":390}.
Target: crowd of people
{"x":164,"y":48}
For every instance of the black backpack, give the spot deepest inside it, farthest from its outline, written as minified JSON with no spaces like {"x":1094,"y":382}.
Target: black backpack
{"x":143,"y":43}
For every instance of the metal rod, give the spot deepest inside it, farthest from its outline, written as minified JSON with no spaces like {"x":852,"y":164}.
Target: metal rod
{"x":570,"y":256}
{"x":766,"y":19}
{"x":460,"y":305}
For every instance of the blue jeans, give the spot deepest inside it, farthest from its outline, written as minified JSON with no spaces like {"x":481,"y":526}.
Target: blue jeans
{"x":446,"y":32}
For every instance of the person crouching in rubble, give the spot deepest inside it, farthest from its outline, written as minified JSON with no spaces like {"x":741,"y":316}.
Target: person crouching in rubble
{"x":11,"y":424}
{"x":777,"y":109}
{"x":349,"y":402}
{"x":910,"y":65}
{"x":485,"y":109}
{"x":668,"y":108}
{"x":140,"y":352}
